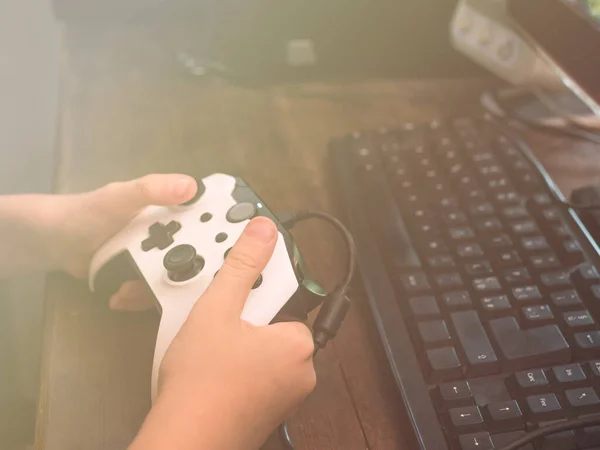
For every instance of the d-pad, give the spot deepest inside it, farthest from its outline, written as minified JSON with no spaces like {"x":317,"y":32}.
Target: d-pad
{"x":161,"y":236}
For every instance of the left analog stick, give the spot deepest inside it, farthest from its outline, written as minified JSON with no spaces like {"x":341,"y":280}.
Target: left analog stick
{"x":183,"y":263}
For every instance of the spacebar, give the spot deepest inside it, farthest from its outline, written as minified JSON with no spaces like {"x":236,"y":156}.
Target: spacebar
{"x":475,"y":343}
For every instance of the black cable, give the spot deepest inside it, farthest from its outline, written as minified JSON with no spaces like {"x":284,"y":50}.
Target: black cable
{"x":572,"y":132}
{"x":334,"y":309}
{"x":552,"y":429}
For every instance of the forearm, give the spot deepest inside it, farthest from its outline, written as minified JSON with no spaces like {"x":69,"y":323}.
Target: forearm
{"x":26,"y":228}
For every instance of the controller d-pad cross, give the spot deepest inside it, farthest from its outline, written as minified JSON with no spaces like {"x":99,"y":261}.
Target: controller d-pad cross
{"x":161,"y":236}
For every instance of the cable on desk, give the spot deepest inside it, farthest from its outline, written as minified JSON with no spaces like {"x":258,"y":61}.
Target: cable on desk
{"x":552,"y":429}
{"x":493,"y":103}
{"x":336,"y":305}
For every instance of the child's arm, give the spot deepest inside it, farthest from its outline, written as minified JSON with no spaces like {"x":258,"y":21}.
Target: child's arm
{"x":62,"y":232}
{"x":224,"y":384}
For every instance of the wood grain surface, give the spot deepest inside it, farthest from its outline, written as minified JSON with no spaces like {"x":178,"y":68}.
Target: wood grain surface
{"x":125,"y":114}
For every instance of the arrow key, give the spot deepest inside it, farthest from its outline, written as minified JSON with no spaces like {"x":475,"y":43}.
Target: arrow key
{"x":454,"y":395}
{"x":467,"y":419}
{"x":504,"y":416}
{"x":583,"y":398}
{"x":475,"y":441}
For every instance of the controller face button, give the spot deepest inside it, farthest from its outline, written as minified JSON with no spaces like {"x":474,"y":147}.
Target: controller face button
{"x":205,"y":217}
{"x":258,"y":282}
{"x":199,"y":193}
{"x":240,"y":212}
{"x":182,"y":263}
{"x":221,"y":237}
{"x":161,"y":236}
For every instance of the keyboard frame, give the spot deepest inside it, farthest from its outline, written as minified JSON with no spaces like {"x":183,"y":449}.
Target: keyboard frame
{"x":381,"y":296}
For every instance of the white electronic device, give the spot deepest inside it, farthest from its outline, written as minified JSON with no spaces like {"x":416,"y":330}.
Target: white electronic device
{"x":481,"y":30}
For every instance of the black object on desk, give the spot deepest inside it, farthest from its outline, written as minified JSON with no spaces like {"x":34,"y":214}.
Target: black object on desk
{"x":482,"y":283}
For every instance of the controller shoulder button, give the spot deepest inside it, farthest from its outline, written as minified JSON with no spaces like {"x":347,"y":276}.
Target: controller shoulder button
{"x":240,"y":212}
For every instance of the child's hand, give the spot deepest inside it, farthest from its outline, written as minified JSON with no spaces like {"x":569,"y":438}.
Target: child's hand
{"x":225,"y":384}
{"x":83,"y":222}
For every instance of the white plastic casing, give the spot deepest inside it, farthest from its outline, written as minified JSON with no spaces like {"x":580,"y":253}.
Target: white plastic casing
{"x":495,"y":45}
{"x":177,"y":299}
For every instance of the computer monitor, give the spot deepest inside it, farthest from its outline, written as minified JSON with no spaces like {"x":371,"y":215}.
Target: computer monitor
{"x":567,"y":34}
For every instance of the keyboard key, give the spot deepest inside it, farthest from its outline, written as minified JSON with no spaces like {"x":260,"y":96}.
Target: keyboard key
{"x":542,"y":199}
{"x":470,"y":250}
{"x":595,"y":368}
{"x":524,"y":227}
{"x":433,"y":332}
{"x":457,"y":299}
{"x":587,"y":273}
{"x":448,"y":280}
{"x":565,"y":299}
{"x":486,"y":284}
{"x":571,"y":252}
{"x":547,"y":261}
{"x":444,"y":363}
{"x":479,"y":268}
{"x":491,"y":225}
{"x":482,"y":209}
{"x":531,"y":379}
{"x":535,"y":243}
{"x":570,"y":373}
{"x":556,"y":280}
{"x":578,"y":318}
{"x":415,"y":282}
{"x":475,"y":441}
{"x":424,"y":306}
{"x":588,"y":341}
{"x":507,"y":197}
{"x":504,"y":416}
{"x":544,"y":405}
{"x":515,"y":212}
{"x":496,"y":303}
{"x":508,"y":259}
{"x":461,"y":233}
{"x":563,"y":440}
{"x":582,"y":398}
{"x":503,"y":439}
{"x":517,"y":276}
{"x":589,"y":437}
{"x":561,"y":231}
{"x":475,"y":343}
{"x":454,"y":218}
{"x":436,"y":246}
{"x":499,"y":242}
{"x":454,"y":395}
{"x":537,"y":315}
{"x":526,"y":349}
{"x":441,"y":262}
{"x":551,"y":214}
{"x":529,"y":293}
{"x":466,"y":419}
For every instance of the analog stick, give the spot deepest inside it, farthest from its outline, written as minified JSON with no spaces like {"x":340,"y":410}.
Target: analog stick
{"x":182,"y":263}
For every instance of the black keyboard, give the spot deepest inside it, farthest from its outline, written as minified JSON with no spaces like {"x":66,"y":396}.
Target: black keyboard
{"x":482,"y":283}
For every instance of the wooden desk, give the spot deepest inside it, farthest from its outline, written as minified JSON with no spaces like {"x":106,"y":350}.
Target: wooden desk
{"x":123,"y":120}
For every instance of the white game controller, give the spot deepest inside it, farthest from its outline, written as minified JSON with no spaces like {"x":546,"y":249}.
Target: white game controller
{"x":178,"y":250}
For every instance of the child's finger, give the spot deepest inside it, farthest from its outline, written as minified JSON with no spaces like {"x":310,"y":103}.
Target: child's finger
{"x":156,"y":189}
{"x":242,"y":267}
{"x":132,"y":296}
